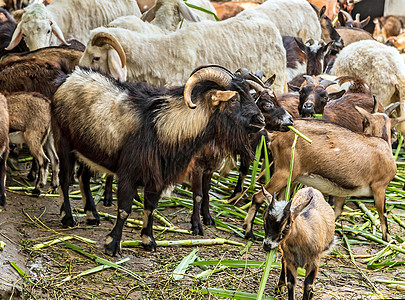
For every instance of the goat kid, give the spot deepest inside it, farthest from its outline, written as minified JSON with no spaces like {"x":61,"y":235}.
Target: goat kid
{"x":332,"y":164}
{"x":147,"y":136}
{"x":304,"y":229}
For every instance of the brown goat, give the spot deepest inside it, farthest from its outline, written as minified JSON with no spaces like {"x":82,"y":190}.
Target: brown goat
{"x":304,"y":228}
{"x":228,"y":9}
{"x":3,"y":147}
{"x":386,"y":27}
{"x":332,"y":162}
{"x":398,"y":41}
{"x":30,"y":113}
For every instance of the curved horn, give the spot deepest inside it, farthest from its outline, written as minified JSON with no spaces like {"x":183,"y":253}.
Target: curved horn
{"x":390,"y":108}
{"x":347,"y":15}
{"x":102,"y":38}
{"x":215,"y":73}
{"x":213,"y":66}
{"x":243,"y":72}
{"x":309,"y":79}
{"x":325,"y":83}
{"x":257,"y":87}
{"x":310,"y":42}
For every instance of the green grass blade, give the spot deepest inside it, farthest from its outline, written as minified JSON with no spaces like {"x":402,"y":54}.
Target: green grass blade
{"x":231,"y":294}
{"x":21,"y":272}
{"x":202,"y":9}
{"x":184,"y":265}
{"x":271,"y":255}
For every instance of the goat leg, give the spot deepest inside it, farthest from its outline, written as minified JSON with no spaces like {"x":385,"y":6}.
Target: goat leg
{"x":3,"y":173}
{"x":32,"y":175}
{"x":311,"y":272}
{"x":339,"y":203}
{"x":281,"y":281}
{"x":205,"y":206}
{"x":108,"y":197}
{"x":151,"y":198}
{"x":291,"y":280}
{"x":196,"y":186}
{"x":90,"y":209}
{"x":243,"y":170}
{"x":125,"y":194}
{"x":379,"y":200}
{"x":50,"y":150}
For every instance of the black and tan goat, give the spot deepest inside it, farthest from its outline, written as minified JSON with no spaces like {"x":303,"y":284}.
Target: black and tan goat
{"x":332,"y":164}
{"x":146,"y":135}
{"x":304,"y":229}
{"x":30,"y":113}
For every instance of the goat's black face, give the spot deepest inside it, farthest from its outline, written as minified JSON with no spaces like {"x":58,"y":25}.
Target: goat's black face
{"x":277,"y":118}
{"x":277,"y":226}
{"x":312,"y":100}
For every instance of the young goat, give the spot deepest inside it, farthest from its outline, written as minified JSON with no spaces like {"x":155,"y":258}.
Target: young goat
{"x":3,"y":147}
{"x":304,"y":229}
{"x":145,"y":135}
{"x":332,"y":162}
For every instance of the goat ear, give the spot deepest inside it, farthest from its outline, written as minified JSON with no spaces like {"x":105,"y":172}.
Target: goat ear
{"x":363,"y":112}
{"x":16,"y":38}
{"x":341,"y":19}
{"x":269,"y":198}
{"x":218,"y":96}
{"x":287,"y":208}
{"x":336,"y":95}
{"x":115,"y":65}
{"x":322,"y":11}
{"x":293,"y":88}
{"x":58,"y":33}
{"x":149,"y":15}
{"x":396,"y":121}
{"x":300,"y":44}
{"x":298,"y":209}
{"x":187,"y":13}
{"x":270,"y":81}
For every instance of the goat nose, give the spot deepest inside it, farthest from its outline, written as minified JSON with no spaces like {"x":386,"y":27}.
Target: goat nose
{"x":308,"y":105}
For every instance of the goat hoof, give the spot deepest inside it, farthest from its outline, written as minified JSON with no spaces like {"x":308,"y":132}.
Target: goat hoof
{"x":151,"y":246}
{"x":250,"y":236}
{"x":36,"y":192}
{"x":197,"y":229}
{"x":113,"y":248}
{"x":31,"y":177}
{"x":68,"y":222}
{"x":386,"y":237}
{"x":208,"y":221}
{"x":93,"y":222}
{"x":107,"y":201}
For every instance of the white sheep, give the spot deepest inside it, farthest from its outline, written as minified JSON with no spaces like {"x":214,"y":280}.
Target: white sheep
{"x":169,"y":59}
{"x":380,"y":66}
{"x":66,"y":20}
{"x":292,"y":17}
{"x":167,"y":14}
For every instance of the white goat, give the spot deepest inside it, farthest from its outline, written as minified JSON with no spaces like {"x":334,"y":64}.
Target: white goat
{"x":167,"y":14}
{"x":67,"y":20}
{"x":292,"y":17}
{"x":380,"y":66}
{"x":169,"y":59}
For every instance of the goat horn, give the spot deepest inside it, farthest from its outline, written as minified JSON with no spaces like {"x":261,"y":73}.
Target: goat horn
{"x":213,"y":66}
{"x":215,"y":73}
{"x":310,"y":42}
{"x":102,"y":38}
{"x":325,"y":83}
{"x":243,"y":72}
{"x":257,"y":87}
{"x":347,"y":15}
{"x":390,"y":108}
{"x":375,"y":105}
{"x":309,"y":79}
{"x":357,"y":18}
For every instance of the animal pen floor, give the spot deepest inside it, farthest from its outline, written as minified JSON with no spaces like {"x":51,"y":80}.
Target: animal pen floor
{"x":54,"y":272}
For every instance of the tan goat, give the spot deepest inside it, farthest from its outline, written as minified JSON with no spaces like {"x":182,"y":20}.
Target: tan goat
{"x":339,"y":162}
{"x":304,"y":228}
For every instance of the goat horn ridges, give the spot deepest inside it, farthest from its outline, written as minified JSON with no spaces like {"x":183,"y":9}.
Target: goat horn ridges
{"x":215,"y":73}
{"x":102,"y":38}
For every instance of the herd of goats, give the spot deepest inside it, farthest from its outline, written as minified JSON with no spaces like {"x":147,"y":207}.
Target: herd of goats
{"x":155,"y":97}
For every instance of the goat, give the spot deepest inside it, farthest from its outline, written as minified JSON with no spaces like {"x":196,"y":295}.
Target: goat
{"x":386,"y":27}
{"x":168,"y":14}
{"x":398,"y":42}
{"x":308,"y":58}
{"x":36,"y":130}
{"x":380,"y":66}
{"x":7,"y":27}
{"x":168,"y":59}
{"x":332,"y":7}
{"x":4,"y":148}
{"x":150,"y":124}
{"x":229,"y":9}
{"x":346,"y":20}
{"x":328,"y":32}
{"x":66,"y":20}
{"x":304,"y":229}
{"x":332,"y":164}
{"x":304,"y":24}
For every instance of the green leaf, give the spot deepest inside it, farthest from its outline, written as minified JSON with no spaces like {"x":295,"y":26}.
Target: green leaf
{"x":184,"y":265}
{"x":231,"y":294}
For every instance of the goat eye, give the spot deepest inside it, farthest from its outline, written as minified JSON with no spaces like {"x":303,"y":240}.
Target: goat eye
{"x":268,"y":106}
{"x":96,"y":59}
{"x":49,"y":31}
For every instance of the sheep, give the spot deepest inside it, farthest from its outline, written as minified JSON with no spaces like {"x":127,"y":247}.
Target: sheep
{"x":4,"y":141}
{"x":304,"y":229}
{"x":151,"y":124}
{"x":30,"y":113}
{"x":66,"y":20}
{"x":7,"y":27}
{"x":168,"y":59}
{"x":332,"y":164}
{"x":168,"y":14}
{"x":292,"y":17}
{"x":380,"y":66}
